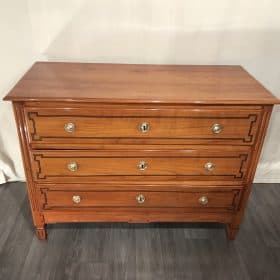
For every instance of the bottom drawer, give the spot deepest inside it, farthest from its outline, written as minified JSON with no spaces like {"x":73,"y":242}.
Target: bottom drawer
{"x":228,"y":199}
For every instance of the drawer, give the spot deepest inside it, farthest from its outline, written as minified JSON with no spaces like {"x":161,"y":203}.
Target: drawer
{"x":157,"y":126}
{"x":196,"y":199}
{"x":76,"y":166}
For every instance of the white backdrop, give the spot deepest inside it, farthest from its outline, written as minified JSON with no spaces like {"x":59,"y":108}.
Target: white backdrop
{"x":139,"y":31}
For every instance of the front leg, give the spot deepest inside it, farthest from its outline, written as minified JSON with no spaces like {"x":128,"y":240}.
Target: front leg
{"x":41,"y":233}
{"x":232,"y":231}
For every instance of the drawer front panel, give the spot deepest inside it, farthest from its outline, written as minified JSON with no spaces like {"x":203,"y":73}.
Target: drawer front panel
{"x":214,"y":199}
{"x":74,"y":166}
{"x":194,"y":125}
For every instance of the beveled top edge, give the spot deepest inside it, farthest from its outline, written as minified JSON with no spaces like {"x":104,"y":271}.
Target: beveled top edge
{"x":145,"y":101}
{"x":138,"y":83}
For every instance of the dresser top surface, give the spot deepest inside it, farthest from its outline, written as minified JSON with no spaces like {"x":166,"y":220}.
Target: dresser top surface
{"x":128,"y":83}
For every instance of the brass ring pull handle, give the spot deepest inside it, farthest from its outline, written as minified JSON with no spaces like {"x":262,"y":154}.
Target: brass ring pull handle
{"x":209,"y":166}
{"x":72,"y":166}
{"x":217,"y":128}
{"x":76,"y":199}
{"x":144,"y":127}
{"x":142,"y":165}
{"x":203,"y":200}
{"x":140,"y":198}
{"x":69,"y":127}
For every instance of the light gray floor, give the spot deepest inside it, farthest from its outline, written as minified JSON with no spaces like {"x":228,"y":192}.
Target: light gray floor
{"x":151,"y":251}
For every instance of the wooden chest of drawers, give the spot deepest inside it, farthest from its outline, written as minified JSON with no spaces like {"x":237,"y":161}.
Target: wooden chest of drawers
{"x":139,"y":143}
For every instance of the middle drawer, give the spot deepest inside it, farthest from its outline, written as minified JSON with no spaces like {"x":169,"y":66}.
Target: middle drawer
{"x":85,"y":166}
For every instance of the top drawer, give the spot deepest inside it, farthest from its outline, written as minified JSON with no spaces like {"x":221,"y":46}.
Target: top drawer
{"x":140,"y":125}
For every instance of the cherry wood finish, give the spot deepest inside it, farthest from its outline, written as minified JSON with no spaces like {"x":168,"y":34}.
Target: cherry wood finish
{"x":97,"y":125}
{"x":216,"y":199}
{"x":52,"y":166}
{"x":119,"y":83}
{"x":124,"y":172}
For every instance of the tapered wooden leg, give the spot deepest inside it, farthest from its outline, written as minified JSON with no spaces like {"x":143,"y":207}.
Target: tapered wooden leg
{"x":41,"y":233}
{"x":232,"y":231}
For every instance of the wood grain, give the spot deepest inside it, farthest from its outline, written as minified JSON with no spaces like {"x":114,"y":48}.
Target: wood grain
{"x":216,"y":199}
{"x":120,"y":83}
{"x":94,"y":125}
{"x":52,"y":166}
{"x":107,"y":103}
